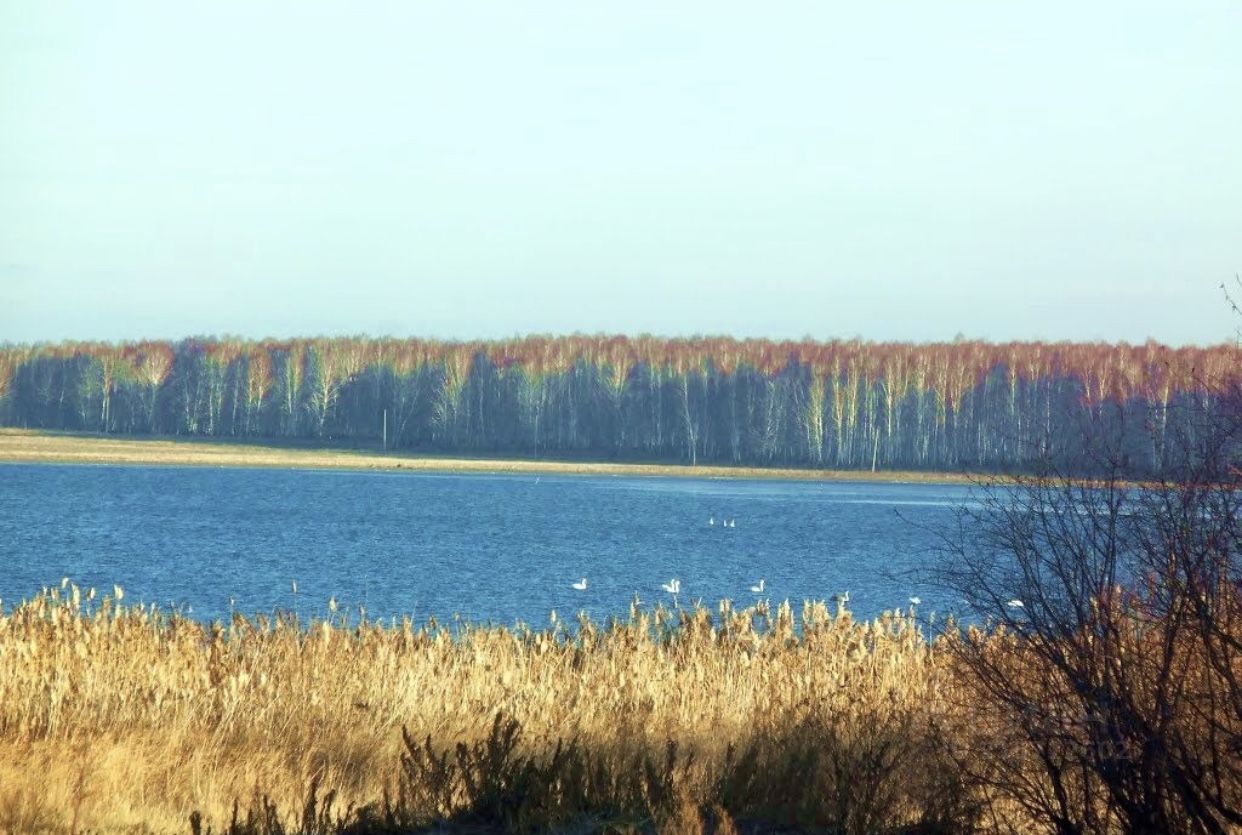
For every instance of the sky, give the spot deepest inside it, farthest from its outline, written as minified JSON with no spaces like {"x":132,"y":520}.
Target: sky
{"x":465,"y":169}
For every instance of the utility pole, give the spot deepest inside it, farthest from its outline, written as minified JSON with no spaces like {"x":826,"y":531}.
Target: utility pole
{"x":385,"y":438}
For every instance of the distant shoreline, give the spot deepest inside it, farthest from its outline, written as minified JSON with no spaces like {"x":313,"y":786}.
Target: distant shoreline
{"x":21,"y":446}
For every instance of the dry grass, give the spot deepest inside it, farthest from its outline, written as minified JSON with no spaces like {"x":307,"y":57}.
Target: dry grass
{"x":17,"y":445}
{"x":117,"y":718}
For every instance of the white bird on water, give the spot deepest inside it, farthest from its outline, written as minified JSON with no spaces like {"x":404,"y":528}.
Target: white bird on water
{"x":914,"y":601}
{"x":711,"y":520}
{"x":581,"y":584}
{"x":672,"y":586}
{"x":1016,"y":604}
{"x":758,"y":589}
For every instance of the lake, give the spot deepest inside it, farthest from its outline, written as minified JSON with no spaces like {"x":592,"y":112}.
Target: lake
{"x":497,"y":548}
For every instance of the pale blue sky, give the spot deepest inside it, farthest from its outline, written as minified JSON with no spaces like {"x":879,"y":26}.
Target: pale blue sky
{"x":477,"y":169}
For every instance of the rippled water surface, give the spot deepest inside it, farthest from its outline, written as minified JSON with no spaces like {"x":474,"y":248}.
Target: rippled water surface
{"x":488,"y":547}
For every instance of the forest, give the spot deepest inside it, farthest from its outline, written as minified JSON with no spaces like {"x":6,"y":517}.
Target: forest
{"x":964,"y":405}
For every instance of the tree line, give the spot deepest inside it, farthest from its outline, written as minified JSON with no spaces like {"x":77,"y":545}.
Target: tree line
{"x":842,"y":404}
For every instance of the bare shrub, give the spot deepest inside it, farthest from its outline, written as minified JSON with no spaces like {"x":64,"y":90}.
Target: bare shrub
{"x":1106,"y":697}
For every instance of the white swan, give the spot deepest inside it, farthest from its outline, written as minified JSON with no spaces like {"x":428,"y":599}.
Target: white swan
{"x":914,"y":601}
{"x":732,"y":523}
{"x":711,"y":520}
{"x":581,"y":584}
{"x":672,"y":586}
{"x":758,"y":589}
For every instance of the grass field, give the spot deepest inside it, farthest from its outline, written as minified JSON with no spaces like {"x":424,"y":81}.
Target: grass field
{"x":28,"y":446}
{"x":119,"y":719}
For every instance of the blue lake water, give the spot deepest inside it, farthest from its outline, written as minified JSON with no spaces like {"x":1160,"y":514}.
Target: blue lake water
{"x":493,"y":548}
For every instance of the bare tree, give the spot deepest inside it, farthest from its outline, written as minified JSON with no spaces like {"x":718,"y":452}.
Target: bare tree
{"x":1233,"y":301}
{"x":1109,"y":662}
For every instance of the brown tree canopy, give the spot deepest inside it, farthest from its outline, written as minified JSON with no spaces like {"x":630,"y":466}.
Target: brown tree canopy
{"x":851,"y":403}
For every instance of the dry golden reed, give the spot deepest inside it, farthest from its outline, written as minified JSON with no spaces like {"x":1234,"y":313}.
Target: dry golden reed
{"x":119,"y":717}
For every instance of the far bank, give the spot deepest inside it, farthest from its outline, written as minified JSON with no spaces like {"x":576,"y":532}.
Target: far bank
{"x":28,"y":446}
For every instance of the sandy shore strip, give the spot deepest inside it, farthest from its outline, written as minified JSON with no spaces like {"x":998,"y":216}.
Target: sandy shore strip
{"x":30,"y":446}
